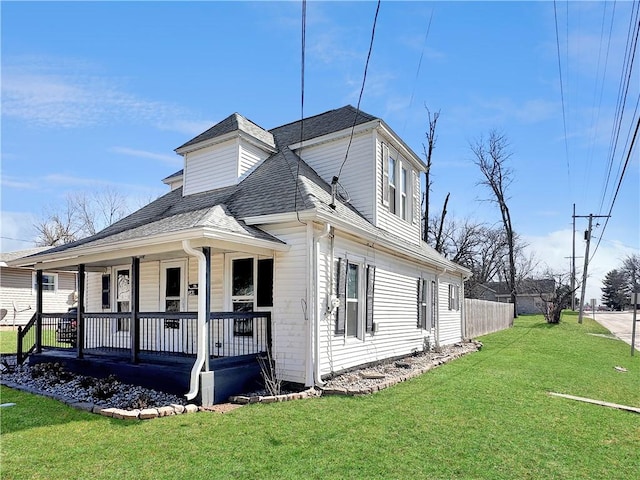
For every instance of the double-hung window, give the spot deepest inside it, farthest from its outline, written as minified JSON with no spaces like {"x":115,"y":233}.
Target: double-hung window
{"x":245,"y":295}
{"x":355,"y":292}
{"x":352,"y":299}
{"x":427,"y":304}
{"x":392,"y":185}
{"x":123,"y":299}
{"x":397,"y":184}
{"x":423,"y":305}
{"x":403,"y":194}
{"x":454,"y":297}
{"x":49,"y":282}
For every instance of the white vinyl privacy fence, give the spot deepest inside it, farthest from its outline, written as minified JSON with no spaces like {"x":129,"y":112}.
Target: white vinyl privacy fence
{"x":482,"y":317}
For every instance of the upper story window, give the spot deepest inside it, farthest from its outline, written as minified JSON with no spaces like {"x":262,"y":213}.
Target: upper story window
{"x":397,"y":185}
{"x":403,"y":194}
{"x":392,"y":185}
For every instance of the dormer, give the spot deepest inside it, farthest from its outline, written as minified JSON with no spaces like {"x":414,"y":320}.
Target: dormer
{"x":225,"y":154}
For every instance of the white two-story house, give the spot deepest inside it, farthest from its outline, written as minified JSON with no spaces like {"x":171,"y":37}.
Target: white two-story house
{"x":304,"y":238}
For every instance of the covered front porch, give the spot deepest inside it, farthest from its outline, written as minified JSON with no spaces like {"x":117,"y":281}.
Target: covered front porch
{"x":158,"y":353}
{"x":187,"y":345}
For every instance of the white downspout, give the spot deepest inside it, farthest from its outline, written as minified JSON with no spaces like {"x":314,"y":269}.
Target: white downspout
{"x":320,"y":312}
{"x":202,"y":319}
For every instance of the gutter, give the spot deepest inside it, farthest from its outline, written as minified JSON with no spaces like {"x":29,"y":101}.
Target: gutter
{"x":202,"y":320}
{"x":151,"y":244}
{"x":316,"y":345}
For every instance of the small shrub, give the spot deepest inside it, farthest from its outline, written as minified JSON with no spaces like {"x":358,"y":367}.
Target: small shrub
{"x":52,"y":373}
{"x":87,"y":382}
{"x":105,"y":388}
{"x":269,"y":373}
{"x":141,"y":402}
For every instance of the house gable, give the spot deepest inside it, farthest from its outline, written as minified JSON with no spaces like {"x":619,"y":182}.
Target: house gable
{"x":356,"y":147}
{"x":223,"y":155}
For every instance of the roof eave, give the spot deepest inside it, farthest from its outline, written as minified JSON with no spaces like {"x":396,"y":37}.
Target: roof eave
{"x":329,"y":137}
{"x":142,"y":246}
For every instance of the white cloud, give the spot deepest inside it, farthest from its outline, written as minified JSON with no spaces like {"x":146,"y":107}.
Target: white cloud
{"x":554,"y":250}
{"x":12,"y":182}
{"x":174,"y":160}
{"x":17,"y":231}
{"x":70,"y":94}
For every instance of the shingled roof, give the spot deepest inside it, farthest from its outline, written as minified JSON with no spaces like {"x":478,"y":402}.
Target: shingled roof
{"x":282,"y":184}
{"x":319,"y":125}
{"x":233,"y":123}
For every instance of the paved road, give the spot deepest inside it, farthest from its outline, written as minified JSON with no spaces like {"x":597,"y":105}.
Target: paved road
{"x":619,"y":323}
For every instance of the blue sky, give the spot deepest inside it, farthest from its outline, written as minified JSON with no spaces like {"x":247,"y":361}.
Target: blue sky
{"x":98,"y":95}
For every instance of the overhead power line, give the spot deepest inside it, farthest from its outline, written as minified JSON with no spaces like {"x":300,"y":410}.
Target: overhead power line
{"x":364,"y":79}
{"x":564,"y":117}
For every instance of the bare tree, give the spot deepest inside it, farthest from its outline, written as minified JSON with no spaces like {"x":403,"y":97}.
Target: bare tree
{"x":492,"y":158}
{"x":80,"y":216}
{"x":559,"y":298}
{"x":428,"y":152}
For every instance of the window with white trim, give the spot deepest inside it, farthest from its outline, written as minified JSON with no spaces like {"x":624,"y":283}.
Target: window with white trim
{"x":434,"y":303}
{"x":49,"y":282}
{"x":454,"y":297}
{"x":251,"y":287}
{"x":392,"y":185}
{"x":423,"y":295}
{"x":427,"y":304}
{"x":397,"y":185}
{"x":355,"y":313}
{"x":123,"y":298}
{"x":403,"y":194}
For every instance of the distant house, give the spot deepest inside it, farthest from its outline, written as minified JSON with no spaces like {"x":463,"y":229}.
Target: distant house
{"x":18,"y":289}
{"x":260,"y":245}
{"x":531,"y":294}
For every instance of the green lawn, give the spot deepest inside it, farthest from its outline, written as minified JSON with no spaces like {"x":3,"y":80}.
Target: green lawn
{"x":486,"y":415}
{"x":8,"y":341}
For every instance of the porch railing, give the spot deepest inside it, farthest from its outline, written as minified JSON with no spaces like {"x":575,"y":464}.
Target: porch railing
{"x":26,"y":340}
{"x":158,"y":333}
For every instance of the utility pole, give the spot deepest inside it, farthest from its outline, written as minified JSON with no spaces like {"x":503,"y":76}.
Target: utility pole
{"x":572,"y":268}
{"x":573,"y":263}
{"x":587,"y":236}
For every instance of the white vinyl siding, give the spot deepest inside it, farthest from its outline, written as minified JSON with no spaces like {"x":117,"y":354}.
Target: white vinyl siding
{"x":395,"y":309}
{"x":250,"y":157}
{"x":290,"y":286}
{"x":211,"y":168}
{"x":358,"y":173}
{"x":220,"y":165}
{"x":450,"y":326}
{"x":16,"y":287}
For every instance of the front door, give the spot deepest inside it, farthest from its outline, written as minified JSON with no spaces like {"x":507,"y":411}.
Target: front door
{"x":174,"y":330}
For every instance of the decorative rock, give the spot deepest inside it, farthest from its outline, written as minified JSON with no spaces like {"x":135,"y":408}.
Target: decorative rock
{"x":166,"y":411}
{"x":148,"y":413}
{"x":240,"y":399}
{"x":131,"y":415}
{"x":107,"y":412}
{"x":178,"y":408}
{"x":190,"y":408}
{"x":118,"y":413}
